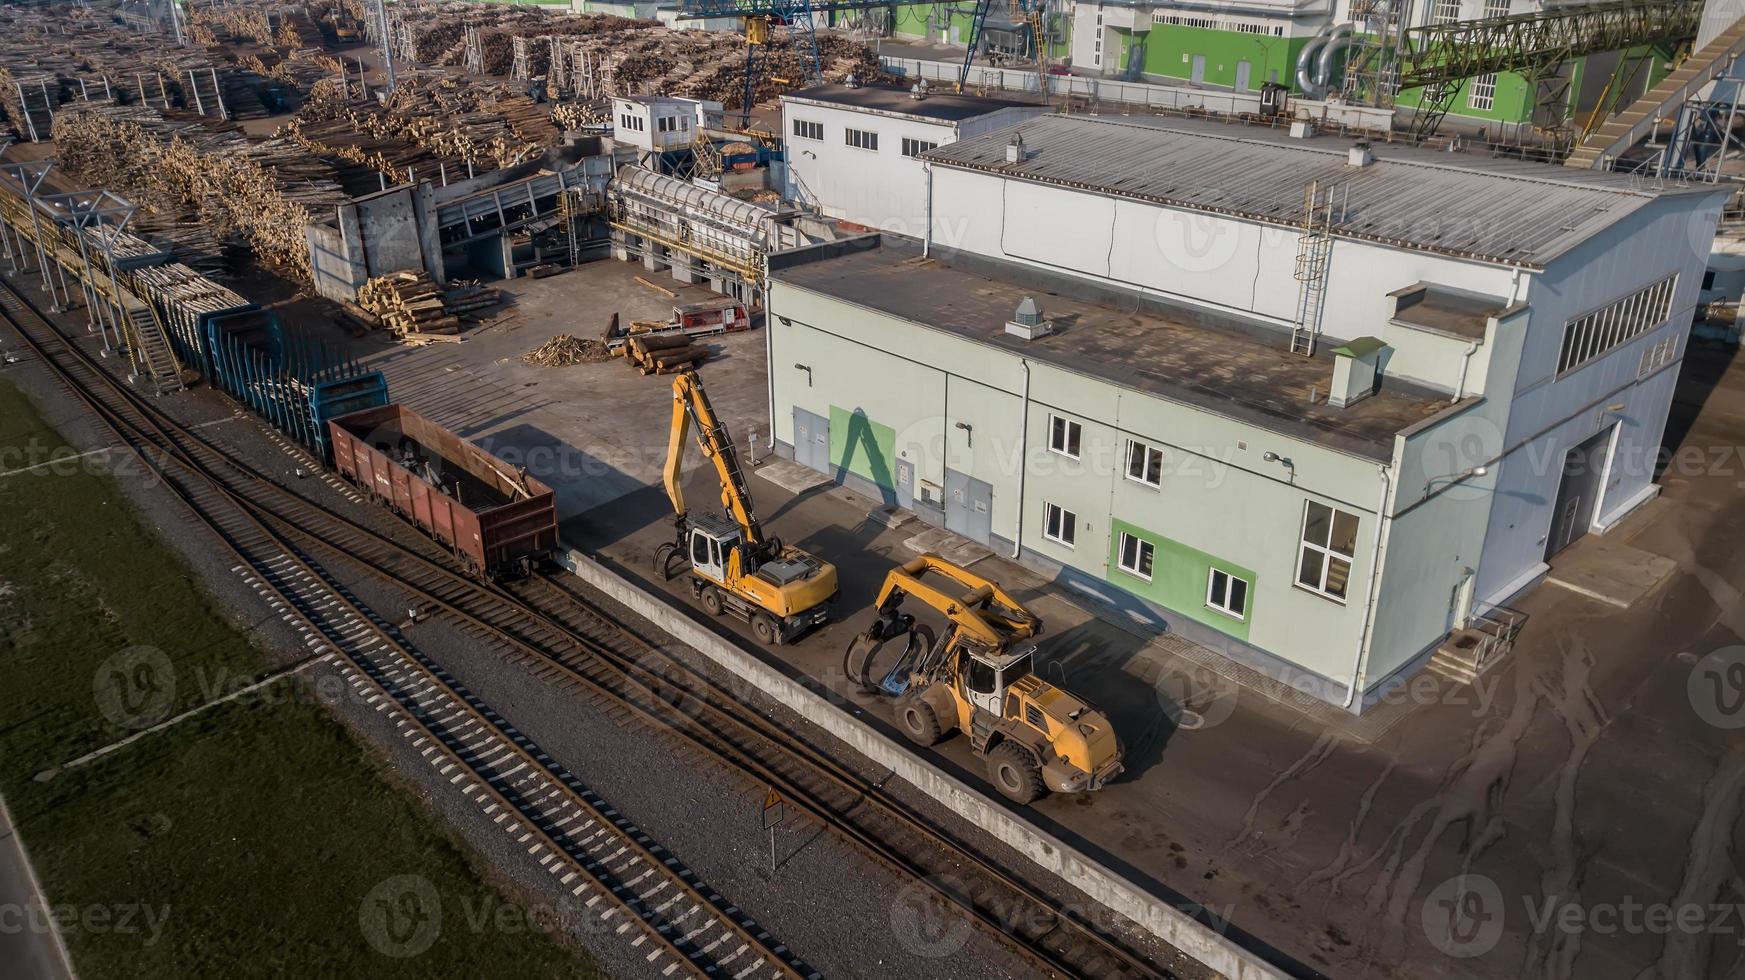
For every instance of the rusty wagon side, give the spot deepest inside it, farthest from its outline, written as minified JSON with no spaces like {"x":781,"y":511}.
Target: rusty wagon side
{"x":498,"y":520}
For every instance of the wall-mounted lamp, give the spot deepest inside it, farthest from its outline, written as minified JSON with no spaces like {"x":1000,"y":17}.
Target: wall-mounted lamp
{"x":968,"y":433}
{"x":1455,"y":477}
{"x":1285,"y":461}
{"x":808,"y":369}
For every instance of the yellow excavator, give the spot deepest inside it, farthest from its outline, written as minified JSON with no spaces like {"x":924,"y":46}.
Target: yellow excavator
{"x":979,"y":677}
{"x":734,"y":568}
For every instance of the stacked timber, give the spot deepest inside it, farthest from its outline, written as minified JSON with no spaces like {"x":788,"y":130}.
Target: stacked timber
{"x":414,"y":308}
{"x":664,"y":353}
{"x":203,"y":171}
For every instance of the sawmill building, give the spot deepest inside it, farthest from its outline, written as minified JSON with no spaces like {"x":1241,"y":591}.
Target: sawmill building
{"x":1325,"y":408}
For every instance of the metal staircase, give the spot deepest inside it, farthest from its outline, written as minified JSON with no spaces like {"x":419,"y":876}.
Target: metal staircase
{"x":1314,"y":251}
{"x":1602,"y":149}
{"x":151,"y":349}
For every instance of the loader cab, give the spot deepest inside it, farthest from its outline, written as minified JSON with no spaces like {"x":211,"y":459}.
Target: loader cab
{"x":712,"y":540}
{"x":987,"y":677}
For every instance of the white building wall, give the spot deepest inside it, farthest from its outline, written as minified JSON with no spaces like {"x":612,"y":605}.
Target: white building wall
{"x":1220,"y":263}
{"x":1550,"y":415}
{"x":880,"y":188}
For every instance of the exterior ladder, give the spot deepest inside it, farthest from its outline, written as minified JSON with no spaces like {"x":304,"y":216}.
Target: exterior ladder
{"x":1314,"y":251}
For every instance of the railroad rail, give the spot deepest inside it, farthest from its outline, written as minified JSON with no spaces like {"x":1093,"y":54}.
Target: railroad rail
{"x":597,"y":855}
{"x":565,"y":637}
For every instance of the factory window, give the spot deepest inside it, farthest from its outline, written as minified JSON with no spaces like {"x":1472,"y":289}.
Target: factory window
{"x":861,"y":138}
{"x":1329,"y":543}
{"x":1064,"y":436}
{"x":1135,"y":556}
{"x":1227,"y":593}
{"x":1059,"y":524}
{"x":665,"y":124}
{"x":1587,"y":337}
{"x":1482,"y":94}
{"x":808,"y":130}
{"x":913,"y":148}
{"x":1496,"y":8}
{"x":1445,"y":11}
{"x":1144,"y":463}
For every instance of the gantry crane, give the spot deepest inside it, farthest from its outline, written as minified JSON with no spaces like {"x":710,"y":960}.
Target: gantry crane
{"x":734,"y":567}
{"x":980,"y":678}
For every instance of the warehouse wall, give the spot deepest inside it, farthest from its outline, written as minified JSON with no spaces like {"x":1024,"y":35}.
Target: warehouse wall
{"x":1551,"y":414}
{"x":1219,"y":505}
{"x":1206,"y":260}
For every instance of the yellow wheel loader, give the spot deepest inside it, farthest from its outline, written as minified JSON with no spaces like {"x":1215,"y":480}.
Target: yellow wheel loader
{"x":734,"y":568}
{"x":979,"y":677}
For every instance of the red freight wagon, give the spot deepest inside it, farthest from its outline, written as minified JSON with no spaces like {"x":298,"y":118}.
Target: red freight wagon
{"x":498,"y":520}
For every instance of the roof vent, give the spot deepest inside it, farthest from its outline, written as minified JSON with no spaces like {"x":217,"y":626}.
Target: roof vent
{"x":919,"y":90}
{"x":1028,"y":322}
{"x":1015,"y":149}
{"x":1302,"y":129}
{"x":1360,"y":155}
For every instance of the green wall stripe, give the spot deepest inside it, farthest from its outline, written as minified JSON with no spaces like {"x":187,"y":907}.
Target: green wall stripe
{"x":1178,"y":578}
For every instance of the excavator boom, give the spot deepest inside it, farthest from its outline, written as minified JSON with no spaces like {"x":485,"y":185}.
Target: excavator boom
{"x":691,"y":407}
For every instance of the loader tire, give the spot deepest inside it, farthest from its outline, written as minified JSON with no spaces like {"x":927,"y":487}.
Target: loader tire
{"x":711,"y":601}
{"x":1015,"y":774}
{"x":764,"y":628}
{"x":918,"y":721}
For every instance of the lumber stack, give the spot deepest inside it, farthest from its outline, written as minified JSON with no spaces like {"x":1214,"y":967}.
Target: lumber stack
{"x":413,"y":307}
{"x":663,"y":353}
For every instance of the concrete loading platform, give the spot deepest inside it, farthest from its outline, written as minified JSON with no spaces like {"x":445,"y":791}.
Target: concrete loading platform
{"x":1319,"y":835}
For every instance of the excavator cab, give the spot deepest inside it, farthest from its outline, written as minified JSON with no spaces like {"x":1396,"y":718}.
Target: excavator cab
{"x":712,"y":545}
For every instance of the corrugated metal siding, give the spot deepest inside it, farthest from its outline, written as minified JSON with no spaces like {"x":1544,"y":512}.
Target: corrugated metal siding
{"x":1508,"y":211}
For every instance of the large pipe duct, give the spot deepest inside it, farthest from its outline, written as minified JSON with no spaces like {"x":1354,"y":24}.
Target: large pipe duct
{"x":1315,"y":61}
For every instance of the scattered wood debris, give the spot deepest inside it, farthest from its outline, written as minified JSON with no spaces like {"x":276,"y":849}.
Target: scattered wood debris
{"x":564,"y":350}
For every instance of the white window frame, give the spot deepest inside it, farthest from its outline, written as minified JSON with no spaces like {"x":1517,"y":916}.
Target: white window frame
{"x":1445,"y":11}
{"x":1065,"y":521}
{"x":1151,"y":452}
{"x":868,"y":140}
{"x":1247,"y":590}
{"x":812,"y":127}
{"x":1326,"y":551}
{"x":1481,"y":94}
{"x":1069,"y":426}
{"x":1142,"y":548}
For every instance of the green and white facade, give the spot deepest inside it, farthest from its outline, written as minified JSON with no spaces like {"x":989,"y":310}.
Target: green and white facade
{"x":1164,"y":452}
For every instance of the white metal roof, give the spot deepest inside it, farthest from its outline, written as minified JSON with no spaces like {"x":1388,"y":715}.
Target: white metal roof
{"x":1514,"y":212}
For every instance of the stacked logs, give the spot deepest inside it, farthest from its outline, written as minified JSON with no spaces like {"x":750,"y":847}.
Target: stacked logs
{"x":412,"y":307}
{"x":204,"y":172}
{"x":663,"y":353}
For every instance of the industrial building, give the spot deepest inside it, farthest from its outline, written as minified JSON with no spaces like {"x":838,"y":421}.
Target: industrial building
{"x":854,"y":151}
{"x":1323,"y":416}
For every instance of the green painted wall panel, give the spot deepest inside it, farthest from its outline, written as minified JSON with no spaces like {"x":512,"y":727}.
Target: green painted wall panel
{"x":863,"y":447}
{"x":1170,"y":50}
{"x":1178,"y":578}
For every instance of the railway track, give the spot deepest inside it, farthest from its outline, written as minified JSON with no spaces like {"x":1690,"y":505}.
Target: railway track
{"x":564,"y":637}
{"x":605,"y":863}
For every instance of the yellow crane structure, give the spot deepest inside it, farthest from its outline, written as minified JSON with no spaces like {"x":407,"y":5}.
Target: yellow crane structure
{"x":734,"y":568}
{"x":979,"y":677}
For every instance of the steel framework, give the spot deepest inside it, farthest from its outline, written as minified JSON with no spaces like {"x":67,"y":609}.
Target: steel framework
{"x":1538,"y":46}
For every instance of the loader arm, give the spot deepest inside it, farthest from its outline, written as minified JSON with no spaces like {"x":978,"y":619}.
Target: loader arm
{"x":691,"y":407}
{"x":975,"y":605}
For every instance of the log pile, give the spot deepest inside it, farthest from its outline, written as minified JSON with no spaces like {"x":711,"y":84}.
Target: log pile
{"x":663,"y":353}
{"x":413,"y":307}
{"x":564,"y":350}
{"x":203,"y":172}
{"x":705,"y":64}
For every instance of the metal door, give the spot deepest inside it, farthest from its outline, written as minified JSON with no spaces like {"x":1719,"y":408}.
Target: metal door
{"x":969,"y":506}
{"x":905,"y":484}
{"x":1198,"y":75}
{"x":1243,"y":71}
{"x":811,"y":440}
{"x":1578,"y":492}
